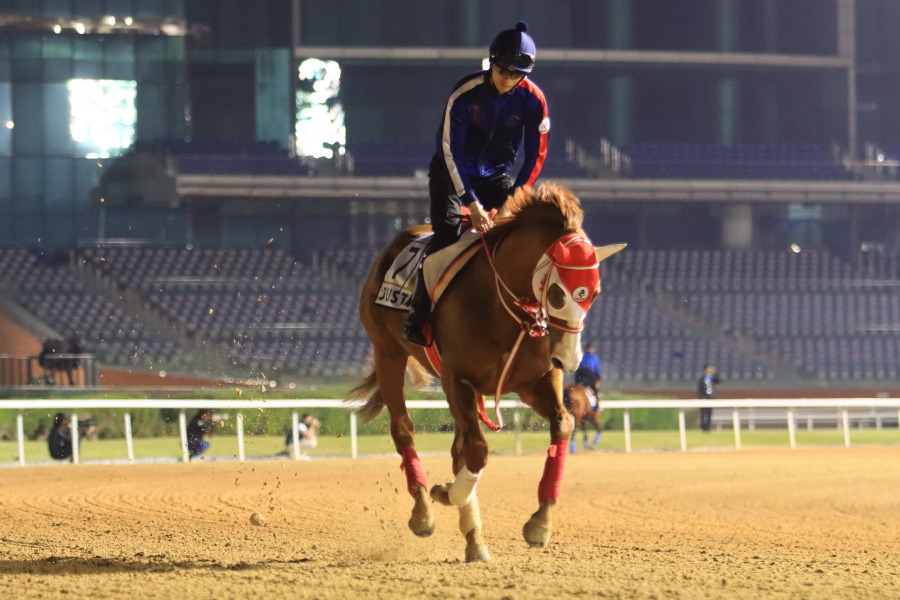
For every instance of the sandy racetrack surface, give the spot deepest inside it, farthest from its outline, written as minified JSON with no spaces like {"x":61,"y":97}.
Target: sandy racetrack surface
{"x":819,"y":523}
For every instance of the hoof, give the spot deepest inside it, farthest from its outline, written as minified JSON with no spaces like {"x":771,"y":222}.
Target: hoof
{"x":477,"y":553}
{"x":441,"y":494}
{"x":421,"y":522}
{"x":422,"y":527}
{"x":537,"y":536}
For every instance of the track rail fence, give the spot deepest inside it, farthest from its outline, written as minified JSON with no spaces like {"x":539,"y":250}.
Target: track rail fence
{"x":842,"y":406}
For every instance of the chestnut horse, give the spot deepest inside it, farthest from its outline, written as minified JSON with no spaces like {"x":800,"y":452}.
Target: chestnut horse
{"x":577,"y":401}
{"x":537,"y":273}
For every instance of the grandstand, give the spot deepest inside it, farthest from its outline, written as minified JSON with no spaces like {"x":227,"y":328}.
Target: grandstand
{"x":769,"y":319}
{"x":752,"y":172}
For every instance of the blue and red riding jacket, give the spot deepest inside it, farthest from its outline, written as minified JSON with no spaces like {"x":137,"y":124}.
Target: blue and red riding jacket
{"x":482,"y":129}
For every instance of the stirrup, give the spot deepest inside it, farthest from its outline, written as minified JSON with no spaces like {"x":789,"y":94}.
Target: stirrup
{"x":416,"y":335}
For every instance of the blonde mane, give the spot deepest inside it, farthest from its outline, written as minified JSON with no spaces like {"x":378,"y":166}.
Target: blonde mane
{"x":549,"y":202}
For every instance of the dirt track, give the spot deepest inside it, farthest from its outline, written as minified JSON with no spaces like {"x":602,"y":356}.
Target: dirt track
{"x":755,"y":524}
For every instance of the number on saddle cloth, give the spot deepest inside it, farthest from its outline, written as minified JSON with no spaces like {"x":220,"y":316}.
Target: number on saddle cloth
{"x":399,"y":281}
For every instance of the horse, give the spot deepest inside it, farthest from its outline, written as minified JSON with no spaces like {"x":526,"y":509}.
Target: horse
{"x":510,"y":321}
{"x":577,"y":401}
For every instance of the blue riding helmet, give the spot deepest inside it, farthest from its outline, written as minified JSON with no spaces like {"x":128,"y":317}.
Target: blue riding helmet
{"x":514,"y":49}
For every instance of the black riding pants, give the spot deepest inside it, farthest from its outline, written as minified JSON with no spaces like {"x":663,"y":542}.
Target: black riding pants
{"x":446,"y":206}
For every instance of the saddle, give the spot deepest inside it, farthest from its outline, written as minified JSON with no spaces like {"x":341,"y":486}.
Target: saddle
{"x":438,"y":269}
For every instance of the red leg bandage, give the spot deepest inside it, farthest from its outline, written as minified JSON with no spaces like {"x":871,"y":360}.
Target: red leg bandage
{"x":551,"y":482}
{"x":415,"y":474}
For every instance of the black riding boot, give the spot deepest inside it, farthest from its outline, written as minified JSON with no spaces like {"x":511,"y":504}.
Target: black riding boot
{"x":419,"y":311}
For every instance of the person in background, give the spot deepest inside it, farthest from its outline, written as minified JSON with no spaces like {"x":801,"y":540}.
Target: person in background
{"x":202,"y":424}
{"x":706,"y":389}
{"x":308,"y":432}
{"x":488,"y":116}
{"x":589,"y":372}
{"x":59,"y":440}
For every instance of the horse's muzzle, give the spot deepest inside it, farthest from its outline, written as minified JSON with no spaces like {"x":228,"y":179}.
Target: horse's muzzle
{"x":556,"y":363}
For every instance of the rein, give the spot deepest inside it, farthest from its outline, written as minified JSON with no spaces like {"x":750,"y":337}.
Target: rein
{"x":536,"y":324}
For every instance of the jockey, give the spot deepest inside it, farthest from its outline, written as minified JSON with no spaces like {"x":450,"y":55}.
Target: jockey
{"x":488,"y":116}
{"x":588,"y":372}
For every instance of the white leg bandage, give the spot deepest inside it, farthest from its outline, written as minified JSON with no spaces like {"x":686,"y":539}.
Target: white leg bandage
{"x":462,"y":490}
{"x":470,"y":516}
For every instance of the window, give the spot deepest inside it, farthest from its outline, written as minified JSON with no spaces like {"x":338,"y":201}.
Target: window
{"x":320,"y":126}
{"x":102,"y":115}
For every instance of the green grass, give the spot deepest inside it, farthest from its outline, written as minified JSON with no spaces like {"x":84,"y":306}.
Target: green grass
{"x":439,"y":443}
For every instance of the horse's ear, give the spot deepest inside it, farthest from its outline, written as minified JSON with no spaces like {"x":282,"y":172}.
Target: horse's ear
{"x":603,"y":252}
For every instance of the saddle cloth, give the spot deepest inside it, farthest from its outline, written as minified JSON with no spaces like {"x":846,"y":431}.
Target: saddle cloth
{"x":439,"y":269}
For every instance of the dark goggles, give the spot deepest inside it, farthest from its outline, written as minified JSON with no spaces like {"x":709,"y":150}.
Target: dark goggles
{"x":509,"y":72}
{"x":514,"y":60}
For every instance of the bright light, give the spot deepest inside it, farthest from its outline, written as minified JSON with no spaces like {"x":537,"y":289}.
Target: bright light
{"x":320,"y":117}
{"x":109,"y":20}
{"x":79,"y":27}
{"x":57,"y":28}
{"x":102,"y":115}
{"x":795,"y":248}
{"x":10,"y":124}
{"x":129,"y":21}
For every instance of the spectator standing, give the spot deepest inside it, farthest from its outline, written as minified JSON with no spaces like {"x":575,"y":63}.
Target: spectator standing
{"x":202,"y":424}
{"x":308,"y":434}
{"x":706,"y":389}
{"x":59,"y":440}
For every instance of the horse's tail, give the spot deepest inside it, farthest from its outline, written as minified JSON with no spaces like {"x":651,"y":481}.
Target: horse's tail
{"x":367,"y":389}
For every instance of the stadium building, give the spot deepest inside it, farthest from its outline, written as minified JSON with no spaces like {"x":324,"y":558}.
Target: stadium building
{"x":217,"y":176}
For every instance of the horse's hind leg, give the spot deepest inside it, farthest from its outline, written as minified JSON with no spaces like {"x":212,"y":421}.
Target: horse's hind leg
{"x":391,"y":372}
{"x":596,"y":422}
{"x":573,"y":442}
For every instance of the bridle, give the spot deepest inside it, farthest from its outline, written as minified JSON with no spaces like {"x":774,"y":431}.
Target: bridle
{"x":537,"y":321}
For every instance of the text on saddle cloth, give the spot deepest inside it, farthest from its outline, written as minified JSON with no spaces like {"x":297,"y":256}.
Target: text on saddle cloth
{"x":439,"y":269}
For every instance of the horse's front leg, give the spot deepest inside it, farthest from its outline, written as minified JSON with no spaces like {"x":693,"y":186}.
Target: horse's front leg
{"x":546,"y":399}
{"x":469,"y":452}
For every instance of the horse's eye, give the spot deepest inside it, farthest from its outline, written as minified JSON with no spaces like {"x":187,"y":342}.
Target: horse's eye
{"x":557,"y":297}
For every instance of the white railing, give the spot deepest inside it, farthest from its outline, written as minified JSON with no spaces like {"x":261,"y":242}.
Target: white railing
{"x":790,"y":404}
{"x":843,"y":405}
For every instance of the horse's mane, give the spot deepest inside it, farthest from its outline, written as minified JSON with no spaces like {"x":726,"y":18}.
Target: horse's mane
{"x":548,"y":203}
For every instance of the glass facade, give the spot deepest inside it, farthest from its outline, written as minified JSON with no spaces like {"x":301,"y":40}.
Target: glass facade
{"x":79,"y":82}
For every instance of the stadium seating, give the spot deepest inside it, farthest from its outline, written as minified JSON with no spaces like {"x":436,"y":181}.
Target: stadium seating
{"x":758,"y":315}
{"x":407,"y":159}
{"x":390,"y":158}
{"x":269,"y":313}
{"x":56,"y":296}
{"x":759,"y":161}
{"x":232,"y":157}
{"x":827,"y":319}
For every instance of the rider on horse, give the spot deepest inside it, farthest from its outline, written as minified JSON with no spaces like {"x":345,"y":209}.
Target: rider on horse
{"x":488,"y":115}
{"x":588,"y":372}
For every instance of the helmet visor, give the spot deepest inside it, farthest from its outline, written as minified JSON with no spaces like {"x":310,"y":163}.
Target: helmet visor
{"x":514,"y":60}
